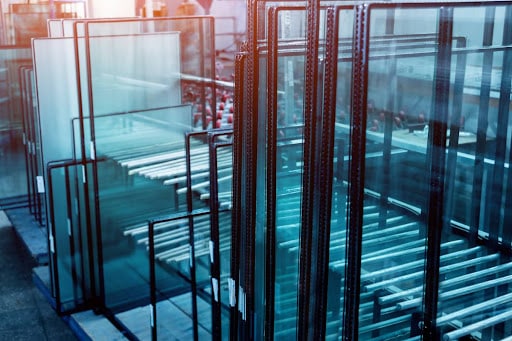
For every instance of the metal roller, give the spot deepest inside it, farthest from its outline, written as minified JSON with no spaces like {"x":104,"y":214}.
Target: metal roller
{"x":485,"y":323}
{"x":458,"y":292}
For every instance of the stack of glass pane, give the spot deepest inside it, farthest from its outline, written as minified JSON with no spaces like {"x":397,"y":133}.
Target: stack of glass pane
{"x":371,"y":178}
{"x":130,"y":119}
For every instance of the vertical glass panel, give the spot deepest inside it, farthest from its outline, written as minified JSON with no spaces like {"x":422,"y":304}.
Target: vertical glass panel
{"x":172,"y":264}
{"x":59,"y":236}
{"x":55,"y":28}
{"x":338,"y":240}
{"x":196,"y":41}
{"x":145,"y":79}
{"x":400,"y":82}
{"x":29,"y":20}
{"x":136,"y":153}
{"x":279,"y":166}
{"x":54,"y":72}
{"x":54,"y":68}
{"x":27,"y":131}
{"x":221,"y":227}
{"x":66,"y":236}
{"x":474,"y":295}
{"x":289,"y":169}
{"x":280,"y":151}
{"x":68,"y":27}
{"x":12,"y":173}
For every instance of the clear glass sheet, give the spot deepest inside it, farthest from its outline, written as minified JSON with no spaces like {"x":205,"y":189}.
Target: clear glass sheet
{"x":54,"y":71}
{"x":25,"y":73}
{"x":338,"y":240}
{"x":172,"y":264}
{"x":55,"y":28}
{"x":145,"y":79}
{"x":57,"y":102}
{"x":196,"y":42}
{"x":224,"y":164}
{"x":13,"y":171}
{"x":288,"y":89}
{"x":135,"y":155}
{"x":400,"y":97}
{"x":54,"y":68}
{"x":61,"y":246}
{"x":290,"y":143}
{"x":66,"y":236}
{"x":68,"y":27}
{"x":475,"y":294}
{"x":28,"y":21}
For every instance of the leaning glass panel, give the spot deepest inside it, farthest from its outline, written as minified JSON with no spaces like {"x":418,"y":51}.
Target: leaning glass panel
{"x":400,"y":81}
{"x":141,"y":81}
{"x":12,"y":172}
{"x":135,"y":154}
{"x":71,"y":285}
{"x":475,"y":297}
{"x":342,"y":42}
{"x":54,"y":73}
{"x":196,"y":38}
{"x":280,"y":166}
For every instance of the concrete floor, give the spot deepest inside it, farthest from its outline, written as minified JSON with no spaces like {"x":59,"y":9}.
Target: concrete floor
{"x":24,"y":312}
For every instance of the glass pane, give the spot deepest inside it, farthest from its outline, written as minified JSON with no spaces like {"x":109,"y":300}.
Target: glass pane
{"x":54,"y":70}
{"x":289,"y":151}
{"x":66,"y":237}
{"x":59,"y":225}
{"x":54,"y":67}
{"x":338,"y":240}
{"x":55,"y":28}
{"x":141,"y":81}
{"x":131,"y":150}
{"x":172,"y":258}
{"x":29,"y":139}
{"x":13,"y":171}
{"x":30,"y":20}
{"x":400,"y":97}
{"x":196,"y":43}
{"x":221,"y":228}
{"x":474,"y":295}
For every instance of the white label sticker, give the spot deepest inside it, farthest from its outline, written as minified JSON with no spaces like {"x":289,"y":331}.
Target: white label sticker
{"x":190,"y":255}
{"x":151,"y":318}
{"x":232,"y":295}
{"x":52,"y":246}
{"x":243,"y":306}
{"x":215,"y":287}
{"x":40,"y":184}
{"x":212,"y":245}
{"x":69,"y":227}
{"x":93,"y":150}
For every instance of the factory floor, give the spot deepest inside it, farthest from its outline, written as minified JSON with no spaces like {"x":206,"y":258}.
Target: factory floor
{"x":25,"y":313}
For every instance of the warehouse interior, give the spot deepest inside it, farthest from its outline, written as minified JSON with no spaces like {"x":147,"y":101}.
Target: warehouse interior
{"x":260,"y":170}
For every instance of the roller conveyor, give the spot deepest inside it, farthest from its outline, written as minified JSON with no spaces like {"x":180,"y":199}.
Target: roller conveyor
{"x":455,"y":258}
